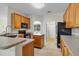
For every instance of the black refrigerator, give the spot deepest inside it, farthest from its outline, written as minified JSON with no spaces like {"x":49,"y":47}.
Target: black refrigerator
{"x":62,"y":30}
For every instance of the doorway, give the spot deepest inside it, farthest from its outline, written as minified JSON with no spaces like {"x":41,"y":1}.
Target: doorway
{"x":51,"y":31}
{"x":50,"y":49}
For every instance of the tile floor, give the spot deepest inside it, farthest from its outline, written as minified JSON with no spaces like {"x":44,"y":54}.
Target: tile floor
{"x":49,"y":49}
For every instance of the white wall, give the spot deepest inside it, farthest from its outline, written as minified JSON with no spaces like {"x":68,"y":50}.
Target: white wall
{"x":51,"y":26}
{"x":3,"y":17}
{"x":56,"y":17}
{"x":75,"y":31}
{"x":34,"y":18}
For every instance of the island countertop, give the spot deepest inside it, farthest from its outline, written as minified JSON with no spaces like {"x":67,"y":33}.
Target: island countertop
{"x":73,"y":43}
{"x":7,"y":42}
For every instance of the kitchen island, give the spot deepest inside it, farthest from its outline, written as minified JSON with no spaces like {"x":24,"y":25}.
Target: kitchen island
{"x":72,"y":43}
{"x":12,"y":46}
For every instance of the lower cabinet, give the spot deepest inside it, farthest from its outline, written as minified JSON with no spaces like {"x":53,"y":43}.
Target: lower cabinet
{"x":38,"y":41}
{"x":28,"y":50}
{"x":64,"y":49}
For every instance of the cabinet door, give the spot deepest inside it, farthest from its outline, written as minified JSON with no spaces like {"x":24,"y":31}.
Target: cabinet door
{"x":70,"y":16}
{"x":23,"y":19}
{"x":39,"y":41}
{"x":77,"y":14}
{"x":28,"y":49}
{"x":16,"y":19}
{"x":26,"y":20}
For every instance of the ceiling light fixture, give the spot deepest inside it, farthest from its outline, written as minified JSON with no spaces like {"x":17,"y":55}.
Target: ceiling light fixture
{"x":38,"y":5}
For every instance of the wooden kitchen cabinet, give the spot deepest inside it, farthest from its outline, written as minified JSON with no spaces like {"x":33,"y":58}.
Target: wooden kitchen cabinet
{"x":28,"y":50}
{"x":71,"y":16}
{"x":23,"y":19}
{"x":38,"y":41}
{"x":26,"y":20}
{"x":16,"y":21}
{"x":64,"y":48}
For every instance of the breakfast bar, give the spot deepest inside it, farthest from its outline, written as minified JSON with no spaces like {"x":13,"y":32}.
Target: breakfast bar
{"x":12,"y":46}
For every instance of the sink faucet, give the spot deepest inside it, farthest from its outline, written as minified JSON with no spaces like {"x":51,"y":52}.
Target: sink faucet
{"x":8,"y":27}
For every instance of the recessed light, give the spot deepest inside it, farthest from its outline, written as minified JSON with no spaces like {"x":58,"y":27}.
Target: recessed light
{"x":38,"y":5}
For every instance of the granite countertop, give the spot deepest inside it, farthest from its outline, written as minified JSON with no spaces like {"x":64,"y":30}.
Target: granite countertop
{"x":73,"y":43}
{"x":7,"y":42}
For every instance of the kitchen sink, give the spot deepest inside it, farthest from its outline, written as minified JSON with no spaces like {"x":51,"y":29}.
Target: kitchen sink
{"x":12,"y":35}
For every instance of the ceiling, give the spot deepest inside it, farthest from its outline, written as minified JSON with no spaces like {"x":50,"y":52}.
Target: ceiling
{"x":27,"y":8}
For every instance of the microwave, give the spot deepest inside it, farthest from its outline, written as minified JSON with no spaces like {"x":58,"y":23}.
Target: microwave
{"x":24,"y":25}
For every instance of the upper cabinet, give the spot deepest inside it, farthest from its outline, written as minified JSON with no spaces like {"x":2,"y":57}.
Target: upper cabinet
{"x":71,"y":16}
{"x":17,"y":21}
{"x":26,"y":20}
